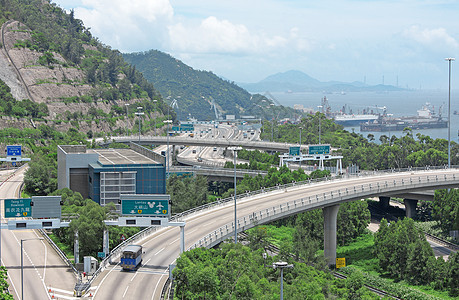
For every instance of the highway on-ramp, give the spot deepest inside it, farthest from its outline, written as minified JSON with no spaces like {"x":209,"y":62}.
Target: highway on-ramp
{"x":162,"y":248}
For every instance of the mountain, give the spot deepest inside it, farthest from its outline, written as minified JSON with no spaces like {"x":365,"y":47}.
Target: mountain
{"x":297,"y":81}
{"x":195,"y":91}
{"x":53,"y":72}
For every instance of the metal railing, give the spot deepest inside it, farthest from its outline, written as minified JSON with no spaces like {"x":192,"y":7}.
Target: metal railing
{"x":114,"y":254}
{"x":327,"y":198}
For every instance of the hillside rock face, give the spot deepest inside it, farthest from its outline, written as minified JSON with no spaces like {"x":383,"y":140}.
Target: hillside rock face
{"x":21,"y":71}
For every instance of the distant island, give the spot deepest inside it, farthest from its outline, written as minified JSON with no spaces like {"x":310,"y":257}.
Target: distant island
{"x":297,"y":81}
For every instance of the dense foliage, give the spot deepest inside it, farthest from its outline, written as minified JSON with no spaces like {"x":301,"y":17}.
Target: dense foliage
{"x":445,"y":209}
{"x":4,"y":293}
{"x":236,"y":272}
{"x":404,"y":253}
{"x":187,"y":192}
{"x":25,"y":108}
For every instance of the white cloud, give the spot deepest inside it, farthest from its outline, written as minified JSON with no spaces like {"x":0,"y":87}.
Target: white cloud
{"x":127,"y":25}
{"x":433,"y":38}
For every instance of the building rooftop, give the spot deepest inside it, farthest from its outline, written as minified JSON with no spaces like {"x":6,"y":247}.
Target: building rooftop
{"x":121,"y":156}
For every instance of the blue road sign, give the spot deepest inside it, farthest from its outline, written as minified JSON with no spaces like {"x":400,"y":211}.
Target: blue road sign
{"x":14,"y":150}
{"x":16,"y":208}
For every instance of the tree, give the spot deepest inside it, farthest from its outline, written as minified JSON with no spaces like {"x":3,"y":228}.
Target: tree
{"x":4,"y":293}
{"x":445,"y":209}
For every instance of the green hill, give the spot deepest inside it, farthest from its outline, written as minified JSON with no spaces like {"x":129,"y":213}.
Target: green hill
{"x":195,"y":90}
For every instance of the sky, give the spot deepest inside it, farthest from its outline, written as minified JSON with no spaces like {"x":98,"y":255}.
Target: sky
{"x":396,"y":42}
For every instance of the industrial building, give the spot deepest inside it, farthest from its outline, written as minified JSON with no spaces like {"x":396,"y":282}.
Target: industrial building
{"x":104,"y":174}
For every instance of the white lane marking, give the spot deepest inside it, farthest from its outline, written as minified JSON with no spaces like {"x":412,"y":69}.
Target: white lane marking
{"x":191,"y":231}
{"x":208,"y":223}
{"x":134,"y":276}
{"x":174,"y":241}
{"x":155,"y":237}
{"x":100,"y":284}
{"x":159,"y":251}
{"x":125,"y":291}
{"x":12,"y":283}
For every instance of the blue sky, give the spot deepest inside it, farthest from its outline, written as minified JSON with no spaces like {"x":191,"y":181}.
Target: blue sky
{"x":247,"y":40}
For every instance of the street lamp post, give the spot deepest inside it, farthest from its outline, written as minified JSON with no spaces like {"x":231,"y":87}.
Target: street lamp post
{"x":281,"y":265}
{"x":154,"y":101}
{"x":22,"y":264}
{"x":272,"y":125}
{"x":320,"y":122}
{"x":139,"y":113}
{"x":127,"y":118}
{"x":235,"y":149}
{"x":301,"y":128}
{"x":167,"y":152}
{"x":449,"y":59}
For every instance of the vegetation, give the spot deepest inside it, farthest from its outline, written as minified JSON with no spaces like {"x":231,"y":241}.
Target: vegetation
{"x":257,"y":160}
{"x":445,"y":209}
{"x":195,"y":90}
{"x":4,"y":293}
{"x":25,"y":108}
{"x":404,"y":254}
{"x":212,"y":274}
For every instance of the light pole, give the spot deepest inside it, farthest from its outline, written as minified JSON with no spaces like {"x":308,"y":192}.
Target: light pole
{"x":272,"y":128}
{"x":154,"y":101}
{"x":320,"y":122}
{"x":235,"y":149}
{"x":167,"y":152}
{"x":22,"y":265}
{"x":139,"y":113}
{"x":450,"y":59}
{"x":127,"y":118}
{"x":301,"y":128}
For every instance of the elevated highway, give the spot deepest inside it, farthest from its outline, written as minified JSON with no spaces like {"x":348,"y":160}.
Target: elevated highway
{"x":205,"y":142}
{"x":209,"y":225}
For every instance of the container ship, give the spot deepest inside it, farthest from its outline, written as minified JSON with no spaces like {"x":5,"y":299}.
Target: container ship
{"x":426,"y":119}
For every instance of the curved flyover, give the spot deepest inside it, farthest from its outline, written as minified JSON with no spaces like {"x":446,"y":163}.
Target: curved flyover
{"x":209,"y":225}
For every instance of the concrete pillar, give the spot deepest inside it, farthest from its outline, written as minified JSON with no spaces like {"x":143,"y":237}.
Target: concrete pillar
{"x":384,"y":201}
{"x":330,"y":216}
{"x":410,"y":207}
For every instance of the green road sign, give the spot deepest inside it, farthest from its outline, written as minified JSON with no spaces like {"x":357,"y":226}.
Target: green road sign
{"x":16,"y":208}
{"x":319,"y":149}
{"x":294,"y":151}
{"x":101,"y":254}
{"x":145,"y":205}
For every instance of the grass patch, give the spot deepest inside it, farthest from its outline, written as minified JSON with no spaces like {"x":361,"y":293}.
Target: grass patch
{"x":360,"y":253}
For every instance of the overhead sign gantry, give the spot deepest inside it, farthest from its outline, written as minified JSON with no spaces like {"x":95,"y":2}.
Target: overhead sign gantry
{"x":318,"y":153}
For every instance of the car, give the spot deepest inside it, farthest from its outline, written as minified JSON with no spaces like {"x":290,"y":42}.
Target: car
{"x":215,"y":148}
{"x":199,"y":159}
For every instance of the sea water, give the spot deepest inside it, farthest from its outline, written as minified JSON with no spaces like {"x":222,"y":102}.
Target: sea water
{"x":400,"y":103}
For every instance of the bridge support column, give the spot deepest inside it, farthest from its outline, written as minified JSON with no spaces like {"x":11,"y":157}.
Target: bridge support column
{"x":384,"y":201}
{"x":410,"y":207}
{"x":330,"y":216}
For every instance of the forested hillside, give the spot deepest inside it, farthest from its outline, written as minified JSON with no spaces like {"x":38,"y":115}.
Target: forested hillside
{"x":194,"y":90}
{"x":84,"y":84}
